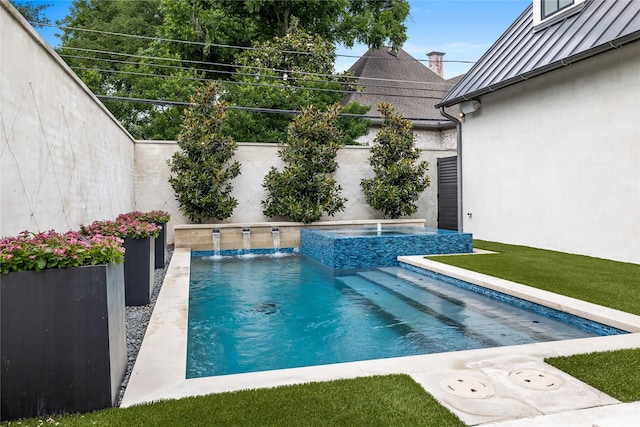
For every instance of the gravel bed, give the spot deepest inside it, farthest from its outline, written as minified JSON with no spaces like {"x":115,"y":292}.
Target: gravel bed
{"x":137,"y":319}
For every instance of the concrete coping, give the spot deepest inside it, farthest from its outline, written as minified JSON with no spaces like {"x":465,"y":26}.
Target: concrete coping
{"x":344,"y":223}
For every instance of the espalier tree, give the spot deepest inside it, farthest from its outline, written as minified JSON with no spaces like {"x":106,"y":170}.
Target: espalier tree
{"x":203,"y":168}
{"x":399,"y":179}
{"x":304,"y":189}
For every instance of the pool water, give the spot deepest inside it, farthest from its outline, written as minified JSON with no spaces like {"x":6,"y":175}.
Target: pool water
{"x":258,"y":313}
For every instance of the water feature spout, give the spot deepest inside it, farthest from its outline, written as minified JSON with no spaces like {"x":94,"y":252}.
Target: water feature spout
{"x":215,"y":235}
{"x":275,"y":233}
{"x":379,"y":228}
{"x":246,"y":240}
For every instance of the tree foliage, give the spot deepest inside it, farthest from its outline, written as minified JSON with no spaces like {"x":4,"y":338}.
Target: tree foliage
{"x":129,"y":73}
{"x":399,"y":180}
{"x":34,"y":13}
{"x":371,"y":22}
{"x":214,"y":32}
{"x":201,"y":172}
{"x":282,"y":74}
{"x":209,"y":24}
{"x":305,"y":189}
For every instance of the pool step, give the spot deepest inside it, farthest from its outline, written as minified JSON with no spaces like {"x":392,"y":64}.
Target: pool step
{"x":485,"y":313}
{"x":444,"y":337}
{"x":482,"y":324}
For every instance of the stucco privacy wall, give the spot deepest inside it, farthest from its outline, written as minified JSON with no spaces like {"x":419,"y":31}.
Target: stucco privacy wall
{"x":425,"y":138}
{"x":154,"y":192}
{"x":554,"y":162}
{"x":64,"y":160}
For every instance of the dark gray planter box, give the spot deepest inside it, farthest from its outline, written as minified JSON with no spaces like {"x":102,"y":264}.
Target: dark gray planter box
{"x":161,"y":246}
{"x":139,"y":261}
{"x":62,"y":340}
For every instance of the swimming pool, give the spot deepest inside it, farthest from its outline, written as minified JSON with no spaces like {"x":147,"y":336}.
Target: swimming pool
{"x":263,"y":313}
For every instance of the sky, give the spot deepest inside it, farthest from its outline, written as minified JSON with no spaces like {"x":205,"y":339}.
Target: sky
{"x":462,"y":29}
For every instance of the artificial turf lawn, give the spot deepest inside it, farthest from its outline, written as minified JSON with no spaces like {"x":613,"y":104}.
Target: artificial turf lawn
{"x":609,"y":283}
{"x":613,"y":372}
{"x":390,"y":400}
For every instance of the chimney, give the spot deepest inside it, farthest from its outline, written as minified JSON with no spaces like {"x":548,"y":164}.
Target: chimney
{"x":435,"y":62}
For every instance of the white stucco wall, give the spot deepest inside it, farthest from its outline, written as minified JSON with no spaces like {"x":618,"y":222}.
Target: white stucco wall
{"x":425,"y":138}
{"x":64,"y":160}
{"x":554,"y":161}
{"x":154,"y":192}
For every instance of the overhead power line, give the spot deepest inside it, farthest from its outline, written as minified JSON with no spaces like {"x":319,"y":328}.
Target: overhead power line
{"x":222,"y":64}
{"x":226,"y":46}
{"x":203,"y":70}
{"x":256,"y":84}
{"x":251,"y":109}
{"x":200,"y":79}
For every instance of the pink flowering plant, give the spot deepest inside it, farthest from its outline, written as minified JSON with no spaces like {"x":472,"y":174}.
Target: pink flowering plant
{"x":123,"y":227}
{"x":155,"y":217}
{"x":31,"y":251}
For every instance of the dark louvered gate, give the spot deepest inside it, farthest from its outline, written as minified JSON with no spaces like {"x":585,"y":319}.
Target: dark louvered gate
{"x":448,"y":193}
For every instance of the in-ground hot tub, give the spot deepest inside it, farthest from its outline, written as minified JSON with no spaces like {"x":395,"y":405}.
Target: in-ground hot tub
{"x":379,"y":247}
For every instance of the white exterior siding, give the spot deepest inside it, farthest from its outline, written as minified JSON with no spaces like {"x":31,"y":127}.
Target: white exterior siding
{"x":554,"y":161}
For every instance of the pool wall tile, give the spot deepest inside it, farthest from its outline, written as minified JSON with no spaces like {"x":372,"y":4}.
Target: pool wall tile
{"x":347,"y":252}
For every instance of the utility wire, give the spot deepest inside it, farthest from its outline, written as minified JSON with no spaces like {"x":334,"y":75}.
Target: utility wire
{"x":251,"y":109}
{"x":111,"y":33}
{"x":221,"y":64}
{"x":238,"y":73}
{"x":256,"y":84}
{"x":200,"y":79}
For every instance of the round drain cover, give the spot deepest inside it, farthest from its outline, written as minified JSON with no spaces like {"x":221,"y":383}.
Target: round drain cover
{"x":467,"y":386}
{"x":538,"y":380}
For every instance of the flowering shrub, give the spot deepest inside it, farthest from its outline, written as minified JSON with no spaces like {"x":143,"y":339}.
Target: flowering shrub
{"x":30,"y":251}
{"x":155,"y":217}
{"x":123,"y":227}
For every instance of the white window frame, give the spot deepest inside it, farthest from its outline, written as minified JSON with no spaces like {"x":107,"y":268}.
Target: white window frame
{"x":540,"y":23}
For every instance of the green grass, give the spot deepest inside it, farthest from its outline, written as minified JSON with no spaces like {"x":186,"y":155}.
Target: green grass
{"x":391,"y":400}
{"x":613,"y":372}
{"x":608,"y":283}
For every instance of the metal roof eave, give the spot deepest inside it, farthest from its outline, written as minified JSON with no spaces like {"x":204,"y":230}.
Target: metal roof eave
{"x":611,"y":45}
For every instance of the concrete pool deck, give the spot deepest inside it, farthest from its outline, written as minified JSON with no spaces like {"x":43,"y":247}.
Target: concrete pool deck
{"x":159,"y":371}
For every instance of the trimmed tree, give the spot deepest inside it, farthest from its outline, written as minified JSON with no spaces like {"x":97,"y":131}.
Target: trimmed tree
{"x":203,"y":168}
{"x":272,"y":77}
{"x":399,"y":179}
{"x":305,"y":189}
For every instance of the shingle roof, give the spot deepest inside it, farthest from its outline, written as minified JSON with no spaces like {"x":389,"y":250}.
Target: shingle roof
{"x":521,"y":53}
{"x":401,"y":80}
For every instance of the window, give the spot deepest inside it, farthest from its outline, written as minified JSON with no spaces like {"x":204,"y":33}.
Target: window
{"x":549,"y":7}
{"x":548,"y":12}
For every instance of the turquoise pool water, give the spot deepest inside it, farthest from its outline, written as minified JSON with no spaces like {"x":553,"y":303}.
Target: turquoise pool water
{"x":258,"y":313}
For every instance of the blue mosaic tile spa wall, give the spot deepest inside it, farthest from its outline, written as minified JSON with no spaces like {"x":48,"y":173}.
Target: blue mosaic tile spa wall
{"x":342,"y":251}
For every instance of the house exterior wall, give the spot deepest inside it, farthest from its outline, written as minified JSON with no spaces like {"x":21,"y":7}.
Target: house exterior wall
{"x":154,"y":192}
{"x":554,"y":161}
{"x":64,"y":160}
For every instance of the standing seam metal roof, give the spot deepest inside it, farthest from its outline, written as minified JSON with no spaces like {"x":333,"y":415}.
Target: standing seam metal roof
{"x":521,"y":52}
